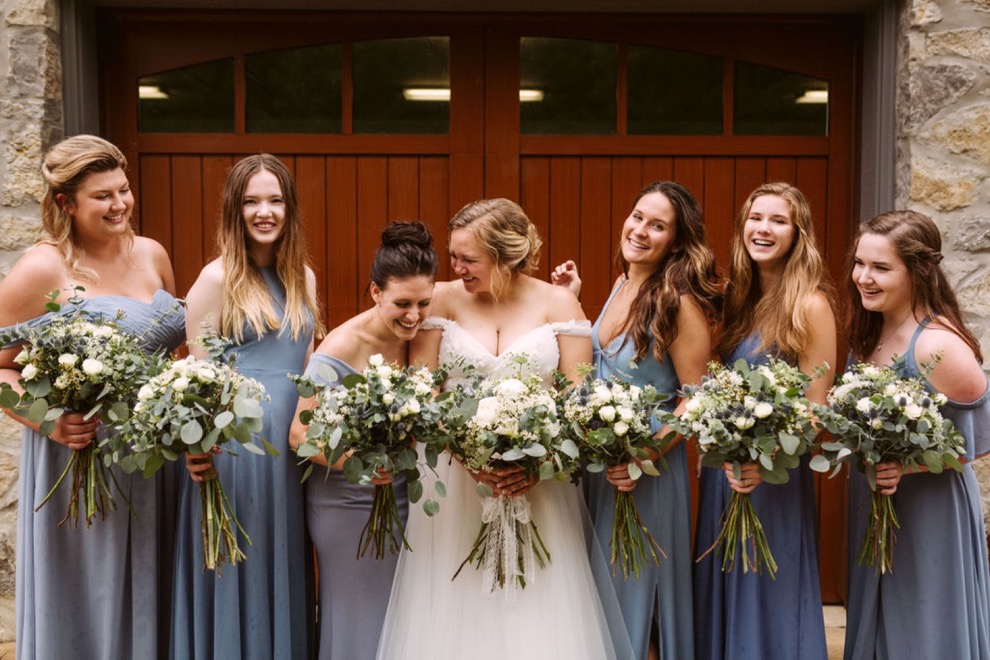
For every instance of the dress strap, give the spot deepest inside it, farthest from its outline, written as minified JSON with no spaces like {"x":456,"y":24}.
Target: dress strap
{"x":909,"y":359}
{"x":572,"y":328}
{"x":436,"y":323}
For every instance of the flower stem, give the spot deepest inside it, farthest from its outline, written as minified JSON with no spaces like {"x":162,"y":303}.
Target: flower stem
{"x":218,"y":524}
{"x":877,"y":547}
{"x":384,"y":526}
{"x":633,"y":547}
{"x":742,"y":533}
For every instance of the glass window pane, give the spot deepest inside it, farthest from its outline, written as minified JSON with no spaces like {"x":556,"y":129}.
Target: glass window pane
{"x":775,"y":102}
{"x":294,"y":91}
{"x":402,"y":85}
{"x":567,"y":87}
{"x":673,"y":93}
{"x":194,"y":99}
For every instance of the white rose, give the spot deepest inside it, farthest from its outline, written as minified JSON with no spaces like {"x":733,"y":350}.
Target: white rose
{"x":634,"y":392}
{"x":863,"y":405}
{"x":376,"y":360}
{"x":510,"y":387}
{"x":765,"y":371}
{"x":23,"y":357}
{"x":876,"y":423}
{"x":749,"y":402}
{"x":692,"y":405}
{"x":487,"y":410}
{"x":180,"y":384}
{"x":146,"y":392}
{"x":29,"y":372}
{"x":92,"y":367}
{"x":620,"y":428}
{"x":422,"y":389}
{"x":384,"y":371}
{"x":744,"y":422}
{"x":603,"y":393}
{"x":626,"y":414}
{"x":205,"y":373}
{"x":411,"y":407}
{"x":913,"y":410}
{"x":67,"y":359}
{"x":607,"y":413}
{"x":104,"y":331}
{"x":762,"y":410}
{"x":388,"y":398}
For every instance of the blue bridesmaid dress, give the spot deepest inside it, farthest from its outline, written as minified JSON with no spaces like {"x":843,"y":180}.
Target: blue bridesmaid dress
{"x":354,"y":592}
{"x":260,"y":608}
{"x":662,"y":595}
{"x":102,"y":592}
{"x":936,"y":601}
{"x":741,"y":616}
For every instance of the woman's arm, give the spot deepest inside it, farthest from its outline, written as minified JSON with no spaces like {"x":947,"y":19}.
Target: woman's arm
{"x":562,"y":306}
{"x":821,"y":351}
{"x":204,"y":303}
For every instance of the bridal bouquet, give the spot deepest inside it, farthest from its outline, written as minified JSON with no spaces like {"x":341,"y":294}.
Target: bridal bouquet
{"x":875,"y":415}
{"x":609,"y":421}
{"x":741,"y":414}
{"x":195,"y":407}
{"x":375,"y":418}
{"x":77,"y":363}
{"x":516,"y":424}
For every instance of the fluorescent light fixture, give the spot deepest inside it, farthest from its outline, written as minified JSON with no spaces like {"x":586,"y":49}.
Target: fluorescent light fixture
{"x":813,"y":96}
{"x":443,"y":94}
{"x":151,"y":92}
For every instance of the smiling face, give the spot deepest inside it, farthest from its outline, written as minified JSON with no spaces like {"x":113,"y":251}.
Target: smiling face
{"x":404,"y":304}
{"x":263,"y":209}
{"x":102,"y":205}
{"x":881,"y":276}
{"x":768,"y":232}
{"x":649,"y":233}
{"x":470,"y":261}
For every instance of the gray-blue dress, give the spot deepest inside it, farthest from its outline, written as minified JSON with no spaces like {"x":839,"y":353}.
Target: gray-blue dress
{"x":353,"y":592}
{"x":258,"y":608}
{"x":101,"y":592}
{"x":936,"y":601}
{"x":747,"y":615}
{"x":663,"y":593}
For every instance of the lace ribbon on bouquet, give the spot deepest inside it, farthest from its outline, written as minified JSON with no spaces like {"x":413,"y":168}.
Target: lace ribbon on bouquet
{"x":513,"y":547}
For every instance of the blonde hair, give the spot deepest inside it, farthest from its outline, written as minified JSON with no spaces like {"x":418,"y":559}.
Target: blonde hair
{"x":246,"y":299}
{"x":781,"y":315}
{"x":64,"y":168}
{"x":504,"y":232}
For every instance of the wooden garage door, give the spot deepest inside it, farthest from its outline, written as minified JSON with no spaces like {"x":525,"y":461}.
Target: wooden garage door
{"x":569,"y":114}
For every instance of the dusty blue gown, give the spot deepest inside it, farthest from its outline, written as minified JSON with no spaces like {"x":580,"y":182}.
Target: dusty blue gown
{"x":662,"y":595}
{"x":101,"y":592}
{"x":747,"y":615}
{"x":258,"y":608}
{"x":353,"y":592}
{"x":936,"y":601}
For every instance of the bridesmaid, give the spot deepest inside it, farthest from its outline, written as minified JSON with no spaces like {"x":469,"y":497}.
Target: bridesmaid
{"x":402,"y":277}
{"x":666,"y":266}
{"x":89,"y":593}
{"x":777,"y":301}
{"x":936,"y":602}
{"x":261,"y":295}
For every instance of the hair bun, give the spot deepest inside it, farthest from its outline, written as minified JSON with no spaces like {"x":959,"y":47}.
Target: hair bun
{"x":401,"y":232}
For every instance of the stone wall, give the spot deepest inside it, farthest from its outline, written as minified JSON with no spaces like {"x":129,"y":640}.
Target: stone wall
{"x":943,"y":119}
{"x":30,"y":121}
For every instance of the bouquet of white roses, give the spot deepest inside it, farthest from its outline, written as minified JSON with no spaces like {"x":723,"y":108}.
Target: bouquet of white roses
{"x":194,"y":407}
{"x":516,"y":425}
{"x":875,"y":415}
{"x":609,"y":421}
{"x":375,"y":418}
{"x":742,"y":414}
{"x":84,"y":364}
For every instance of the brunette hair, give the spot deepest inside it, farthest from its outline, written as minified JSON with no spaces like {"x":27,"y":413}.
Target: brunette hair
{"x":506,"y":233}
{"x":246,"y":300}
{"x":688,"y":269}
{"x":406,"y":251}
{"x":65,"y":167}
{"x":782,"y":314}
{"x":918,"y":243}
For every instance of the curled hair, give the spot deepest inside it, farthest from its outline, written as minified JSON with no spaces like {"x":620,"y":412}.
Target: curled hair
{"x":688,"y":269}
{"x":64,"y":168}
{"x":246,"y":300}
{"x":406,"y":251}
{"x":504,"y":232}
{"x":781,"y":315}
{"x":918,"y":243}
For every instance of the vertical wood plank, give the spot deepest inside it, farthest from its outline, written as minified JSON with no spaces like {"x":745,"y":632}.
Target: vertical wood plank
{"x":627,"y":181}
{"x":781,"y":168}
{"x":596,"y":208}
{"x":187,"y":204}
{"x":215,"y":170}
{"x":434,"y":209}
{"x":534,"y":184}
{"x":340,"y":289}
{"x":311,"y":183}
{"x":812,"y":179}
{"x":750,"y":174}
{"x":403,"y":188}
{"x":563,"y":238}
{"x":657,"y":169}
{"x":155,"y":203}
{"x":690,"y":173}
{"x":372,"y":216}
{"x":719,"y":207}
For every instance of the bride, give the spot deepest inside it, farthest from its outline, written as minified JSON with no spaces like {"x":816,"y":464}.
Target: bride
{"x":493,"y":312}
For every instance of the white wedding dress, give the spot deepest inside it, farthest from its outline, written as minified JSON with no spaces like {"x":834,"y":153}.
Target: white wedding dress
{"x":559,"y":614}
